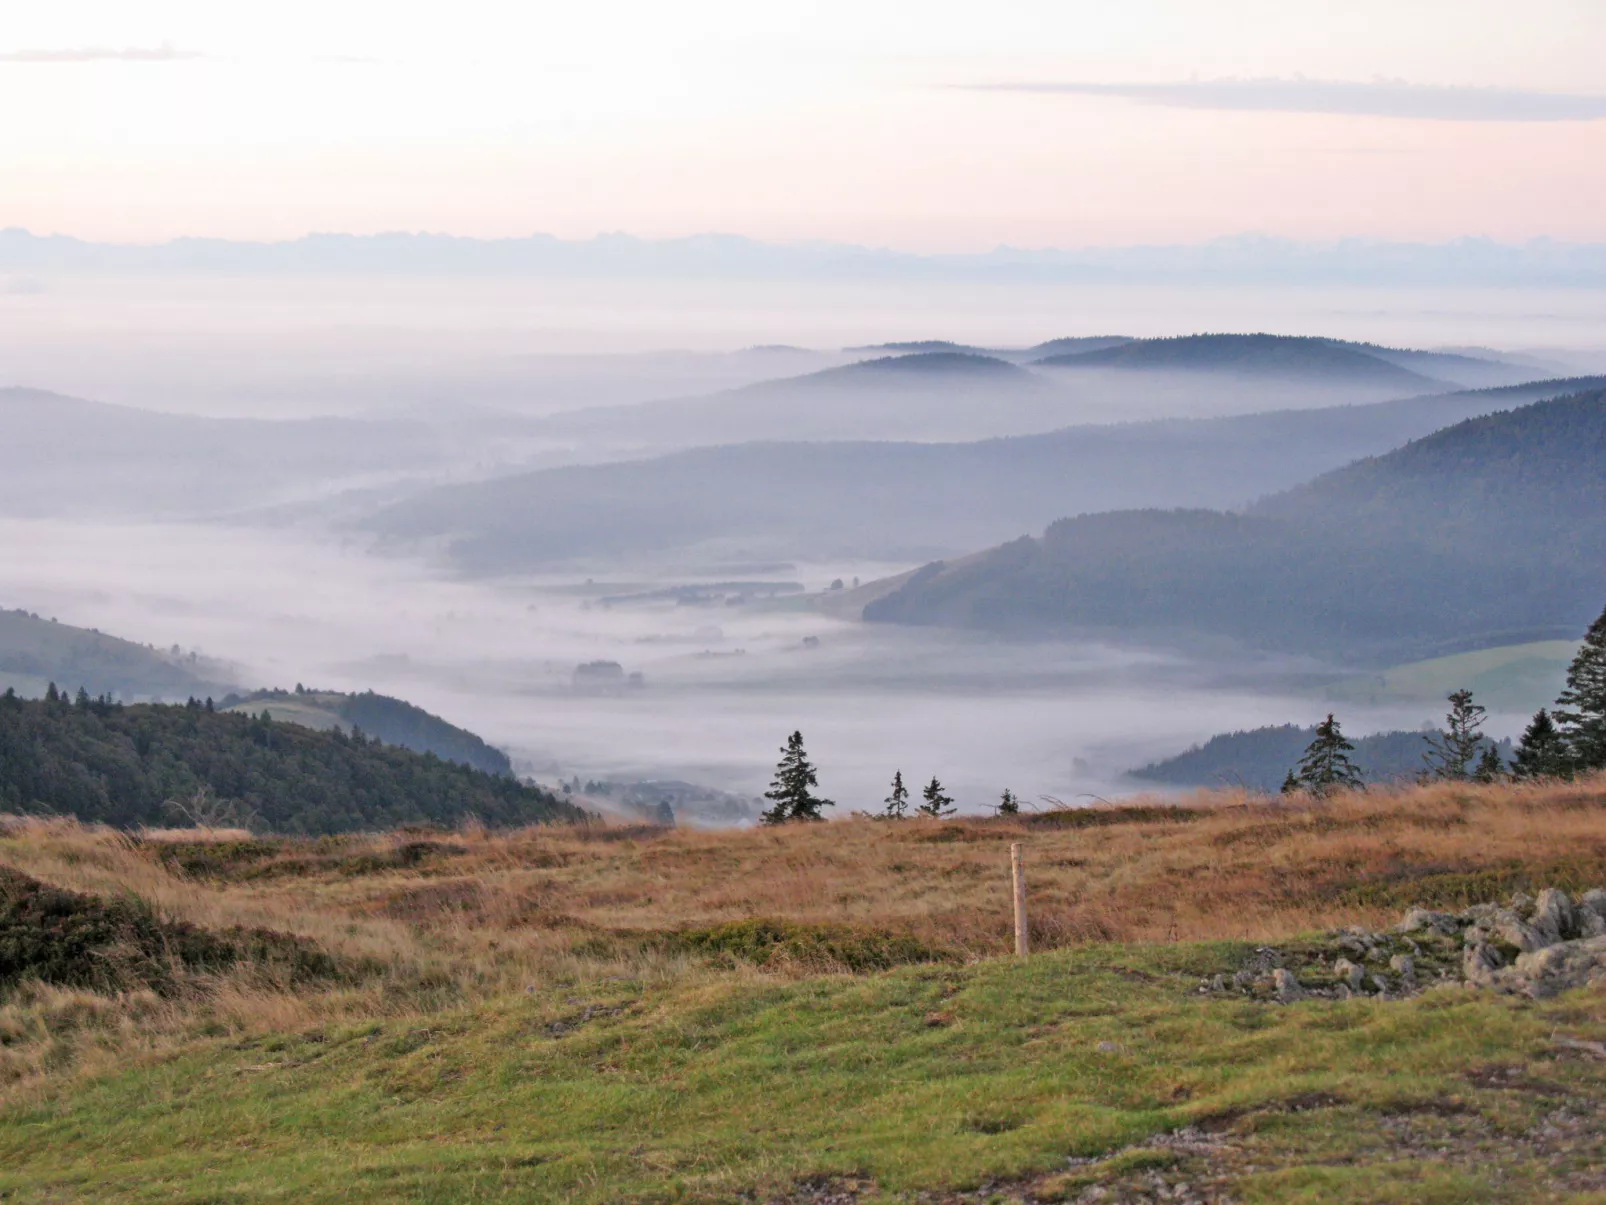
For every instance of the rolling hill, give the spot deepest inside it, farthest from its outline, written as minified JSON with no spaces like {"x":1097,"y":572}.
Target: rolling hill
{"x":1486,"y":533}
{"x":906,"y":500}
{"x":66,"y":455}
{"x":118,"y":765}
{"x":393,"y":721}
{"x":35,"y":652}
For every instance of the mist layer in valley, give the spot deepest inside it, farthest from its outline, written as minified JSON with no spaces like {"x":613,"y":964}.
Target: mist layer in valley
{"x":467,"y":515}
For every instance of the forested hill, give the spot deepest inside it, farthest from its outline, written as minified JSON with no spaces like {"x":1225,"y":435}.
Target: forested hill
{"x":35,"y":651}
{"x":1488,"y":532}
{"x":1259,"y":758}
{"x":121,"y":765}
{"x":394,"y":721}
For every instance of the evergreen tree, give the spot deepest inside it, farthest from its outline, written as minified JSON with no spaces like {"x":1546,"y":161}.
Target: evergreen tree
{"x":1009,"y":803}
{"x":1581,"y":708}
{"x":1290,"y":784}
{"x":1452,"y":752}
{"x":792,"y":790}
{"x":897,"y":802}
{"x":1326,"y":765}
{"x":1541,"y":753}
{"x":934,"y":802}
{"x":1489,"y":768}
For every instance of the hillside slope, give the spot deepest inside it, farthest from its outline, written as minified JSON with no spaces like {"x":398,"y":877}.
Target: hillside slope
{"x":393,"y":721}
{"x":904,"y":500}
{"x":35,"y":652}
{"x":118,"y":765}
{"x":1488,"y":532}
{"x":66,"y":455}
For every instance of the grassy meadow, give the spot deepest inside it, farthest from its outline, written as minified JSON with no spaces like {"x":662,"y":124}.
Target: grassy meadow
{"x":818,"y":1013}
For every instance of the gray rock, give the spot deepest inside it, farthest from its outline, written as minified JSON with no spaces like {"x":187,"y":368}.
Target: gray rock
{"x":1560,"y":967}
{"x":1594,"y":901}
{"x":1479,"y":962}
{"x":1591,"y":924}
{"x":1347,"y":973}
{"x":1522,"y":902}
{"x":1404,"y":966}
{"x":1552,"y":917}
{"x":1286,"y":986}
{"x":1419,"y":919}
{"x":1514,"y":931}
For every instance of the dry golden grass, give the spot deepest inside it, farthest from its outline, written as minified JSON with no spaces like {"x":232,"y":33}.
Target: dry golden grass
{"x":474,"y":914}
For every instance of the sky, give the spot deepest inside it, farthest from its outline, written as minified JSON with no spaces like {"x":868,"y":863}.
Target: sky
{"x":938,"y":126}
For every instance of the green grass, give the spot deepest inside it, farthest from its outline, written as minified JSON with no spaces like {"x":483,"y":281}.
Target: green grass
{"x":924,"y":1079}
{"x":1518,"y":677}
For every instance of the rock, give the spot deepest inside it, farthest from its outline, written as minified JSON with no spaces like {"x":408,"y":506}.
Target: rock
{"x":1593,"y":901}
{"x":1552,"y":917}
{"x":1418,"y":919}
{"x":1347,"y":973}
{"x":1591,"y":924}
{"x":1478,"y":964}
{"x":1404,"y":966}
{"x":1560,"y":967}
{"x":1286,"y":986}
{"x":1514,"y":931}
{"x":1522,"y":902}
{"x":1381,"y":984}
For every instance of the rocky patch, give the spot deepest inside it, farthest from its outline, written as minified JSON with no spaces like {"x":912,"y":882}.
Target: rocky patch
{"x":1533,"y":946}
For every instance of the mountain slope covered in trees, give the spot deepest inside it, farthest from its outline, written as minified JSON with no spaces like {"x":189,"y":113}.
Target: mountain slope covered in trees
{"x":118,"y":765}
{"x":393,"y":721}
{"x":1259,"y":758}
{"x":1488,"y":532}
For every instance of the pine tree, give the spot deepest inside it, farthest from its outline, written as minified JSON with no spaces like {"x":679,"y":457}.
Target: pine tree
{"x":1290,"y":784}
{"x":1451,"y":753}
{"x":1541,"y":753}
{"x":1489,"y":768}
{"x":897,"y":802}
{"x":1326,"y":765}
{"x":936,"y":804}
{"x":1009,"y":803}
{"x":1581,"y":708}
{"x":791,"y":792}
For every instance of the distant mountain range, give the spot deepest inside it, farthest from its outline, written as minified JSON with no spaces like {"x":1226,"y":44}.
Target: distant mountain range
{"x":906,"y":500}
{"x":1244,"y":258}
{"x":1488,"y":532}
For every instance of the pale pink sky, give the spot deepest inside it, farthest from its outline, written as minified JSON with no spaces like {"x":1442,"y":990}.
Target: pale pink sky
{"x":830,"y":120}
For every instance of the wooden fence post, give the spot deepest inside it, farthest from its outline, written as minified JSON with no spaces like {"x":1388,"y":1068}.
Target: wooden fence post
{"x":1017,"y":876}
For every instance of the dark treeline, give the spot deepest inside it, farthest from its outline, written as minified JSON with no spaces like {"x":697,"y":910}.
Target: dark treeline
{"x":154,"y":764}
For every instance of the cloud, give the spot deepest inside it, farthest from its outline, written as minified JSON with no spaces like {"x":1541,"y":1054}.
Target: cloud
{"x":130,"y":54}
{"x":1383,"y":98}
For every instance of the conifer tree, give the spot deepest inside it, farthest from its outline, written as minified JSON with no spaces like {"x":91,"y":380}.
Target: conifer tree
{"x":1541,"y":753}
{"x":1290,"y":784}
{"x":1489,"y":768}
{"x":1326,"y":765}
{"x":792,"y":791}
{"x":897,"y":802}
{"x":1009,"y":803}
{"x":1581,"y":708}
{"x":935,"y":803}
{"x":1452,"y":752}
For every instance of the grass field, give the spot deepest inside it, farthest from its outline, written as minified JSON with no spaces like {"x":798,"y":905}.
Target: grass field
{"x":1517,"y":678}
{"x":595,"y":1016}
